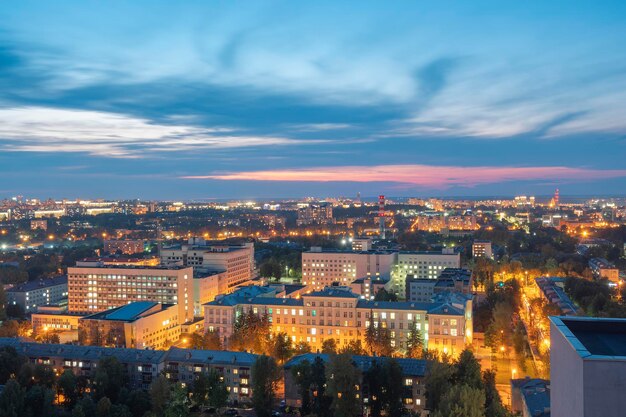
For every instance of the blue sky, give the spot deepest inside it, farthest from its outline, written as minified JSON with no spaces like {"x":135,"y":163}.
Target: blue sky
{"x":184,"y":100}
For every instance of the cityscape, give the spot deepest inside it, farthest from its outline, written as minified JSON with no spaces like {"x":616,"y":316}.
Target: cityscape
{"x":312,"y":210}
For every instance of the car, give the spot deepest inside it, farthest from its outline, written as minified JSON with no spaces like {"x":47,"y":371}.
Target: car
{"x":231,"y":412}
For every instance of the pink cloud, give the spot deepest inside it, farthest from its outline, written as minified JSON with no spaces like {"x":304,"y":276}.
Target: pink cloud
{"x":419,"y":175}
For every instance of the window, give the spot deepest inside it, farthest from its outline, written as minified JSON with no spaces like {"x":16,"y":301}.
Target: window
{"x":408,"y":382}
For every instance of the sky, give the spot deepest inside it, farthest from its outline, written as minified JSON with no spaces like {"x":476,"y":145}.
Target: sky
{"x":216,"y":99}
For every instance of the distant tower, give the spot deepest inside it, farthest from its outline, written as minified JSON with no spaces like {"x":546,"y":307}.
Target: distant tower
{"x":556,"y":198}
{"x":381,"y":215}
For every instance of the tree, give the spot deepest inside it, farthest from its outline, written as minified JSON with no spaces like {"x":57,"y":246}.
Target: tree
{"x":178,"y":405}
{"x":251,"y":332}
{"x":103,"y":408}
{"x":39,"y":401}
{"x":378,"y":340}
{"x":10,"y":363}
{"x":329,"y":346}
{"x":461,"y":401}
{"x":67,"y":386}
{"x":110,"y":377}
{"x":384,"y":295}
{"x":321,"y":402}
{"x":342,"y":380}
{"x":301,"y":348}
{"x":282,"y":348}
{"x":12,"y":400}
{"x":354,"y":347}
{"x":265,"y":376}
{"x":207,"y":341}
{"x":394,"y":388}
{"x":160,"y":393}
{"x":438,"y":382}
{"x":303,"y":376}
{"x":414,"y":342}
{"x":208,"y":389}
{"x":468,"y":370}
{"x":493,"y":402}
{"x":138,"y":402}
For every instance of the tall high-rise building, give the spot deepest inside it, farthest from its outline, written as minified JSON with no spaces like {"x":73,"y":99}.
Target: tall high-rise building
{"x":98,"y":288}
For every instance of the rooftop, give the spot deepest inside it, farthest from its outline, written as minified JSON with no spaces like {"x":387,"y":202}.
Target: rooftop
{"x":210,"y":356}
{"x":130,"y":312}
{"x":410,"y":367}
{"x":40,"y":283}
{"x":139,"y":267}
{"x":593,"y":336}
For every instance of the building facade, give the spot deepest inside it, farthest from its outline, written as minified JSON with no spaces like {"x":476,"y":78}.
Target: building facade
{"x":587,"y":367}
{"x":413,"y":374}
{"x":421,"y":265}
{"x":482,"y":249}
{"x":42,"y":292}
{"x":236,"y":262}
{"x":322,"y":267}
{"x":96,"y":289}
{"x":337,"y":313}
{"x":603,"y":269}
{"x":128,"y":247}
{"x":138,"y":325}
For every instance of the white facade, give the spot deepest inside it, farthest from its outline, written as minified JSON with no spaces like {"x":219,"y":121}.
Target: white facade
{"x":320,"y":268}
{"x":94,"y":289}
{"x":421,"y":265}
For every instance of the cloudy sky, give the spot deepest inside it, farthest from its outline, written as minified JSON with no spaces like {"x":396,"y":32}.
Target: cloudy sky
{"x":186,"y":100}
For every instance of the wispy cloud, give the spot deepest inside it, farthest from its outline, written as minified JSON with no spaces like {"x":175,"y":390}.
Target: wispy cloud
{"x":428,"y":176}
{"x":44,"y":129}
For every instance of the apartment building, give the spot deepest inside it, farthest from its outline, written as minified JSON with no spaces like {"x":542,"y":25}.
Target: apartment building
{"x":145,"y":365}
{"x":235,"y":261}
{"x":126,"y":246}
{"x":482,"y":249}
{"x":138,"y":325}
{"x":413,"y":375}
{"x":338,"y":313}
{"x":184,"y":365}
{"x":33,"y":294}
{"x":323,"y":267}
{"x":99,"y":288}
{"x":602,"y":268}
{"x":421,"y":265}
{"x":449,"y":280}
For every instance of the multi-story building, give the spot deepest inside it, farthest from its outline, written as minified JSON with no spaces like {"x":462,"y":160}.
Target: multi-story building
{"x":41,"y":224}
{"x":139,"y":325}
{"x":450,"y":280}
{"x":235,"y":368}
{"x":367,"y":287}
{"x":323,"y":267}
{"x":126,"y":246}
{"x":337,"y":313}
{"x":145,"y":365}
{"x":206,"y":286}
{"x":482,"y":249}
{"x":361,"y":244}
{"x":602,"y":268}
{"x":530,"y":397}
{"x":33,"y":294}
{"x":413,"y":374}
{"x":315,"y":214}
{"x":99,"y":288}
{"x":421,"y":265}
{"x":587,"y":367}
{"x":235,"y":261}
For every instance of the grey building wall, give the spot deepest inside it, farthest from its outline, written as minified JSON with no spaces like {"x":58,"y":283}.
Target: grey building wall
{"x":566,"y":377}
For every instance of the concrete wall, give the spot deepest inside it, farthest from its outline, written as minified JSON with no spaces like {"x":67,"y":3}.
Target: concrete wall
{"x":605,"y":387}
{"x":566,"y":377}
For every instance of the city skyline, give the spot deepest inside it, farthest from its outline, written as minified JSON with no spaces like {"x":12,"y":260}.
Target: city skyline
{"x":163,"y":101}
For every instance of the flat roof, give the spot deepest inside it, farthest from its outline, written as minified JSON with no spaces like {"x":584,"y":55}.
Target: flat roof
{"x":140,"y":267}
{"x":594,"y":336}
{"x":129,"y":312}
{"x":40,"y":283}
